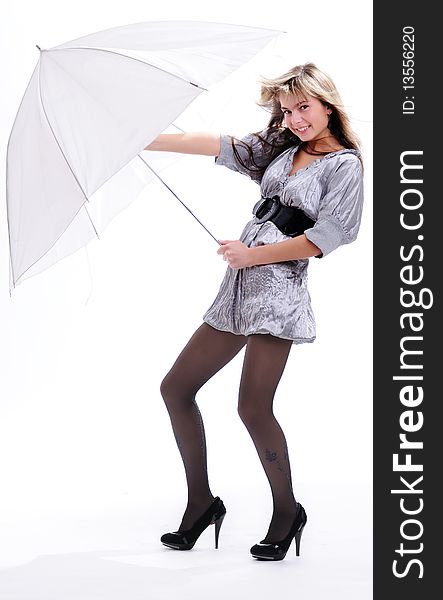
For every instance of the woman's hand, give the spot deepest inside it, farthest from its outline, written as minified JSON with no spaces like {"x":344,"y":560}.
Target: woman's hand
{"x":236,"y":254}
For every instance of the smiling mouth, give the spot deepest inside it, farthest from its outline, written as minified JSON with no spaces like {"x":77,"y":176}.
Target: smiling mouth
{"x":302,"y":129}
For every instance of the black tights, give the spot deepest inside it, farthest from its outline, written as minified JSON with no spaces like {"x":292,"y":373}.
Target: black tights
{"x":265,"y":358}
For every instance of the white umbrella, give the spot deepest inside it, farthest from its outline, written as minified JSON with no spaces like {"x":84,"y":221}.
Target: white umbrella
{"x":90,"y":108}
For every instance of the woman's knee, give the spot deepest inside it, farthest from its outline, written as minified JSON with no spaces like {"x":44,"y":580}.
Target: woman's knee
{"x":165,"y":387}
{"x":251,"y":414}
{"x":169,"y":389}
{"x":175,"y":393}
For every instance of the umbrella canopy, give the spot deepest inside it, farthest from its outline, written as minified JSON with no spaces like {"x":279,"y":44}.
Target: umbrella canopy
{"x":91,"y":106}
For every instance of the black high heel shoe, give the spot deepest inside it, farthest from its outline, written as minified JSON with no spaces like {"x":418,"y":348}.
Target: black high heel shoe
{"x":278,"y":550}
{"x":184,"y":539}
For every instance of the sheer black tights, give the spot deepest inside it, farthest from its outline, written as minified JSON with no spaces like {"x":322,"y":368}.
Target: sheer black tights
{"x":265,"y":358}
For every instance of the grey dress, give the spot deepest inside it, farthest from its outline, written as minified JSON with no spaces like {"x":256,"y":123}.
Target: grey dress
{"x":274,"y":298}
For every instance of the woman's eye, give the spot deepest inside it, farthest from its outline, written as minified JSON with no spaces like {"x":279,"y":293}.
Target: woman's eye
{"x":286,"y":112}
{"x":304,"y":106}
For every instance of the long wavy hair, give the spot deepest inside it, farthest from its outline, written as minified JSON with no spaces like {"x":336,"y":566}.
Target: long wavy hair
{"x":301,"y":81}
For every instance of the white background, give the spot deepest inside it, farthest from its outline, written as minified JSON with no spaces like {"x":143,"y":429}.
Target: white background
{"x":89,"y":470}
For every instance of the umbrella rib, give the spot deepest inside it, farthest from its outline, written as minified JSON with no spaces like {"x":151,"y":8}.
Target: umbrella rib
{"x":145,"y":62}
{"x":55,"y":137}
{"x":15,"y":281}
{"x":92,"y":222}
{"x":174,"y":194}
{"x":7,"y":178}
{"x":49,"y":249}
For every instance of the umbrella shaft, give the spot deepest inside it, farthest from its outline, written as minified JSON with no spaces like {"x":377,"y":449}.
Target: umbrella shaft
{"x":174,"y":194}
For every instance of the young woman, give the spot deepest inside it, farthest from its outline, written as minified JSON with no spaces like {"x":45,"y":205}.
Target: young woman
{"x":308,"y":164}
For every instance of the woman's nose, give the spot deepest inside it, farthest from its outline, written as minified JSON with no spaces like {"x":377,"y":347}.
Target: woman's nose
{"x":296,"y":119}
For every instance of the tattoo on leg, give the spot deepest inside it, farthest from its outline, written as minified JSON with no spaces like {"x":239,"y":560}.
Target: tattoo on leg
{"x":272,"y":456}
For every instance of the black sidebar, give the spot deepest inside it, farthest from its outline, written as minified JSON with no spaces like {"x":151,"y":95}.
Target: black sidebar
{"x":408,"y":250}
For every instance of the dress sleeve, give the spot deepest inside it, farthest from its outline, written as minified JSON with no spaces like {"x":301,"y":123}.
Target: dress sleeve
{"x":254,"y":162}
{"x":340,"y":209}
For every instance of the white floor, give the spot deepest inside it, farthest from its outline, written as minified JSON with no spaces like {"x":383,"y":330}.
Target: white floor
{"x":114,"y":553}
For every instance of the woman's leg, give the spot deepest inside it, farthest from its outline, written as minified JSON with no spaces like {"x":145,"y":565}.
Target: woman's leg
{"x":207,"y":352}
{"x":264,"y":363}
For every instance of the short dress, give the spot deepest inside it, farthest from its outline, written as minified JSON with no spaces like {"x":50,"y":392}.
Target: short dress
{"x":274,"y":298}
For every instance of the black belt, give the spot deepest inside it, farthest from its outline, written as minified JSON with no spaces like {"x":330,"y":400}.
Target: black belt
{"x":290,"y":220}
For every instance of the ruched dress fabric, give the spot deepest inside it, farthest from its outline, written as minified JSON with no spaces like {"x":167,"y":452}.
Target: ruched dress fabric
{"x":274,"y":298}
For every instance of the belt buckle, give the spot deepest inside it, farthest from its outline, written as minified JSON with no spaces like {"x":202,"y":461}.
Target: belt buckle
{"x":266,"y":208}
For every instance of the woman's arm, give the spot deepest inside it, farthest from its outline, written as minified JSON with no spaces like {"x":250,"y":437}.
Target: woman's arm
{"x":297,"y":248}
{"x":238,"y":255}
{"x":187,"y":143}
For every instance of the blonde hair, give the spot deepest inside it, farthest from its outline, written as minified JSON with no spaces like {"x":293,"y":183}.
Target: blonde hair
{"x":303,"y":80}
{"x":308,"y":80}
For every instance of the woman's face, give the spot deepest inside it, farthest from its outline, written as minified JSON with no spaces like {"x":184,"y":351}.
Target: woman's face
{"x":305,"y":116}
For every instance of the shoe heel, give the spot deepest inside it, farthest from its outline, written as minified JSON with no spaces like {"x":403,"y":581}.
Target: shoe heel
{"x":297,"y":541}
{"x":218,"y":523}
